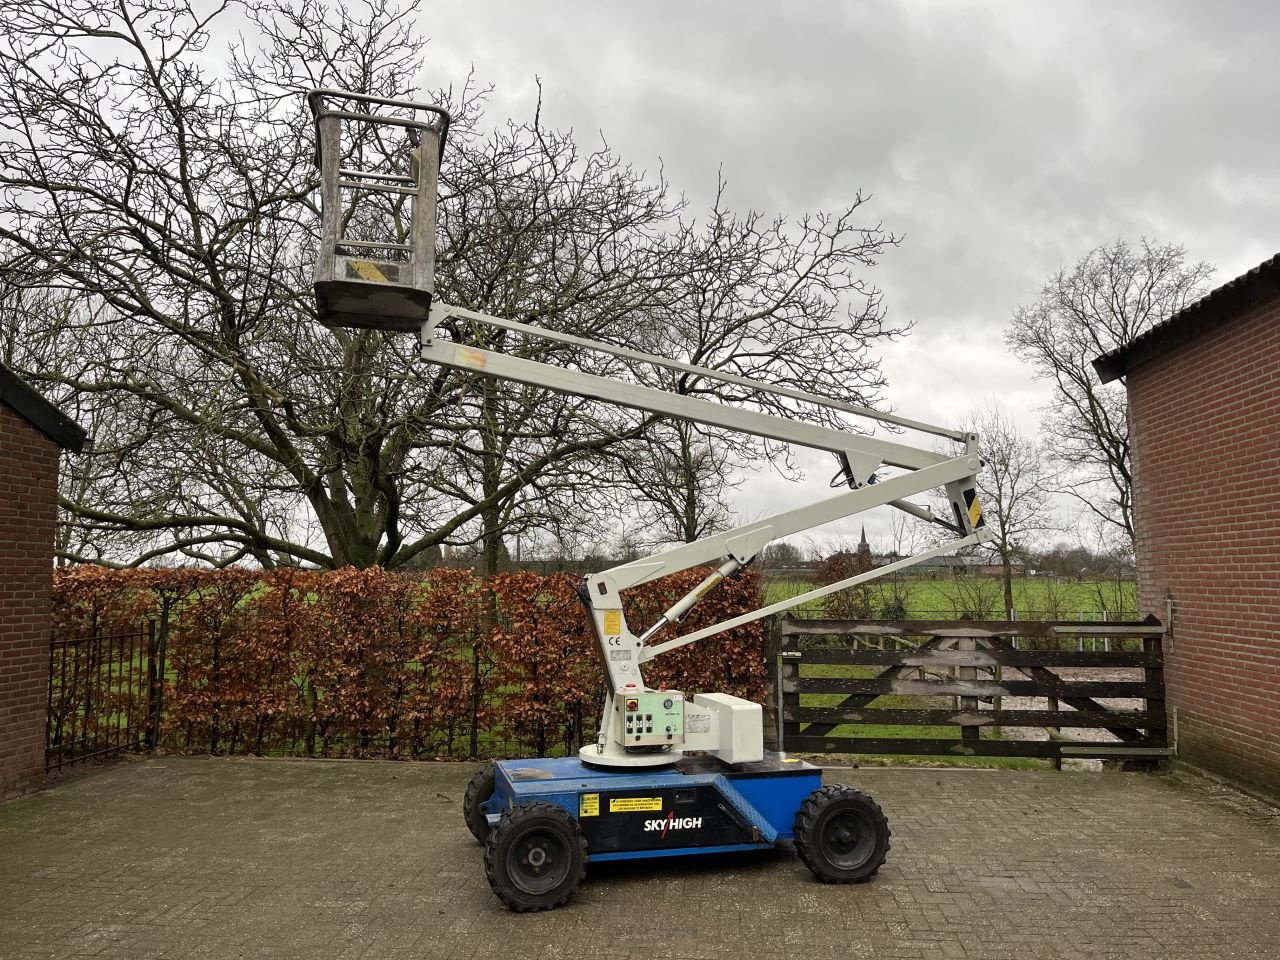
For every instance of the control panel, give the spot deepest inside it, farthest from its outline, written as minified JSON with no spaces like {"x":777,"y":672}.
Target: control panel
{"x":650,"y":717}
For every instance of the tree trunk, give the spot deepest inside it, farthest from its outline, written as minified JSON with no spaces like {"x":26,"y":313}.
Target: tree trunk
{"x":1007,"y":574}
{"x":490,"y":552}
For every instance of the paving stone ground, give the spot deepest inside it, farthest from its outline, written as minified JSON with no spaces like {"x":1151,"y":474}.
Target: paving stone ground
{"x":219,"y":859}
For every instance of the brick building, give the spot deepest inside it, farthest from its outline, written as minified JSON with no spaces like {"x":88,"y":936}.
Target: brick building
{"x":32,"y":434}
{"x":1204,"y":423}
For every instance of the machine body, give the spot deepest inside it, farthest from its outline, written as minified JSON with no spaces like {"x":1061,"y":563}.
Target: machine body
{"x":698,"y":805}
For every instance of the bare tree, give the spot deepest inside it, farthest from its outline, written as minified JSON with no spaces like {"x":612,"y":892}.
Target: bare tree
{"x":679,"y":476}
{"x":1014,"y":487}
{"x":1112,"y":295}
{"x":782,"y":554}
{"x":169,"y":212}
{"x":906,"y":533}
{"x":971,"y":597}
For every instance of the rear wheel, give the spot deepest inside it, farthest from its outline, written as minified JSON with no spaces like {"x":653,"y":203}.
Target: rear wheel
{"x":535,"y":857}
{"x":842,"y":835}
{"x":479,"y":790}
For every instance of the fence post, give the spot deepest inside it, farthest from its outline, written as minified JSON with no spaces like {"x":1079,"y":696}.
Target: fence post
{"x":152,"y":734}
{"x":773,"y":680}
{"x":1154,"y":676}
{"x":779,"y":733}
{"x":52,"y":728}
{"x":162,"y":653}
{"x":997,"y":673}
{"x":1055,"y":762}
{"x":86,"y":693}
{"x":474,"y":747}
{"x":789,"y":683}
{"x":967,"y":731}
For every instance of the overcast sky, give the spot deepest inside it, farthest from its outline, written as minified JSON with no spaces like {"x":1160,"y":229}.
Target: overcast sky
{"x":1004,"y":140}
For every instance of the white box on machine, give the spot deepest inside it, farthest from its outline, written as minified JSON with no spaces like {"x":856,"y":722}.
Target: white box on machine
{"x":725,"y":726}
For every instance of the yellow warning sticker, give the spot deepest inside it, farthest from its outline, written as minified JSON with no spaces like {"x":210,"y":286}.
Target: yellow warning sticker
{"x":368,"y":271}
{"x":466,"y":357}
{"x":975,"y":512}
{"x":634,"y":804}
{"x":712,"y":582}
{"x":613,"y":621}
{"x":975,"y":509}
{"x":589,"y":805}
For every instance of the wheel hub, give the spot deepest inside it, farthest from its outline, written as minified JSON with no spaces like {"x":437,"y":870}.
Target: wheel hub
{"x":538,"y":862}
{"x":847,"y":839}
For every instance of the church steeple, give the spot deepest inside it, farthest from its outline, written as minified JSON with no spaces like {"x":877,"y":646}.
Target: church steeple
{"x":864,"y":548}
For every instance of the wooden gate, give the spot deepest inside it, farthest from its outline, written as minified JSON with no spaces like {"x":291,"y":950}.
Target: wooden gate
{"x":970,"y":688}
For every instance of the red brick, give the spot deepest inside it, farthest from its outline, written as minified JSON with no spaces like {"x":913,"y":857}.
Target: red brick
{"x":28,"y":512}
{"x":1205,"y":433}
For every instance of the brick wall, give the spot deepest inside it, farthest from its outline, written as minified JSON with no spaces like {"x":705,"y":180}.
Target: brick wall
{"x":28,"y":512}
{"x":1205,"y":425}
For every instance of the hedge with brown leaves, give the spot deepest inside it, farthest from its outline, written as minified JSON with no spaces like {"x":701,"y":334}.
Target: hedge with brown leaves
{"x":362,"y":663}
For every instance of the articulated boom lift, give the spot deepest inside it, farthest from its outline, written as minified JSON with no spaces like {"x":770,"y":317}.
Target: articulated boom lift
{"x":633,"y":793}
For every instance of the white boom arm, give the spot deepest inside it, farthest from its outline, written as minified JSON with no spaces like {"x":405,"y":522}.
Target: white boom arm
{"x":624,"y":651}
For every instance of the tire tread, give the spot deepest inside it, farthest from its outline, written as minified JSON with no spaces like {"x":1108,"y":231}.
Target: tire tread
{"x":512,"y":820}
{"x":479,"y":789}
{"x":806,"y":841}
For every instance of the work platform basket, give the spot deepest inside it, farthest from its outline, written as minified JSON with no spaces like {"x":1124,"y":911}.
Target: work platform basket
{"x":378,"y":181}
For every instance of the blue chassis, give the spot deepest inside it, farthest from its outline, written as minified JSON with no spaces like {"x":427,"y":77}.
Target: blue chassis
{"x":765,"y":795}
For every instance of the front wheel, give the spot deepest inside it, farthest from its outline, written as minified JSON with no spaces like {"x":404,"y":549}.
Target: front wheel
{"x":535,"y":857}
{"x":842,"y":835}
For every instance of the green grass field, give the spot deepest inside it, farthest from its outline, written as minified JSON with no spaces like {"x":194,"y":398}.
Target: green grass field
{"x":1034,"y":598}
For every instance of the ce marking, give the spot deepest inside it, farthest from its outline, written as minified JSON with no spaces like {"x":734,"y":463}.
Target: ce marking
{"x":614,"y":641}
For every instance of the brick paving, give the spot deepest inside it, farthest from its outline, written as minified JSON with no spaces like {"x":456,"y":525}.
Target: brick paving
{"x":191,"y":858}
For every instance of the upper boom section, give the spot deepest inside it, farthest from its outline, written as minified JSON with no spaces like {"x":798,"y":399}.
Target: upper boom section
{"x":864,"y":453}
{"x":722,"y":376}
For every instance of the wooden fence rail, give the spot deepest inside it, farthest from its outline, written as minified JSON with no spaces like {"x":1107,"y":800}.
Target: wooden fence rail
{"x":862,"y":686}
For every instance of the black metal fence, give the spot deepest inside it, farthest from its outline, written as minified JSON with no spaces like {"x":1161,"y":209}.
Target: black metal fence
{"x":102,"y":690}
{"x":126,"y":691}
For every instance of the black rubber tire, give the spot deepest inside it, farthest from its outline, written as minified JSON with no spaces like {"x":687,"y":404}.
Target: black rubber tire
{"x":842,"y":835}
{"x":535,"y":857}
{"x":479,"y":790}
